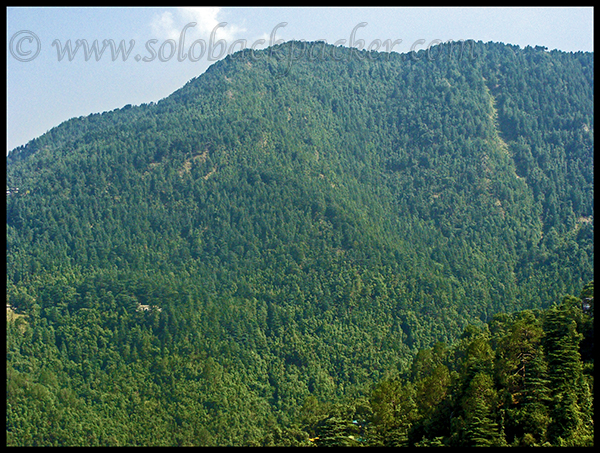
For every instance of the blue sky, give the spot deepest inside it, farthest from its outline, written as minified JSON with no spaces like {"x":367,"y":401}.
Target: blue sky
{"x":161,"y":50}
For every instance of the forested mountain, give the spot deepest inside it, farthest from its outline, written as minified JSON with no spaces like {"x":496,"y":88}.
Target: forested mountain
{"x":268,"y":255}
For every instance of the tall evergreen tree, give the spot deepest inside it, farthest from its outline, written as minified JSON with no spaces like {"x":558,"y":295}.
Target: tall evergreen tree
{"x":571,"y":417}
{"x":479,"y":406}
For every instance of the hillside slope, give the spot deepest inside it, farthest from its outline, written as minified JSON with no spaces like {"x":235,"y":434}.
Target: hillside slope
{"x":295,"y":222}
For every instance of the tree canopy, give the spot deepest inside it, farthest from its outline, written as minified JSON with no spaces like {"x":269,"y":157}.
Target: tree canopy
{"x":310,"y":245}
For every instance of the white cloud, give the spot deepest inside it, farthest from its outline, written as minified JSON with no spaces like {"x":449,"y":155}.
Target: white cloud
{"x":169,"y":25}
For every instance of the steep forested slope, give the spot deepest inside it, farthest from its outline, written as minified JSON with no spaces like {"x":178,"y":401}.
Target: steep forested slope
{"x":524,"y":379}
{"x":295,"y":222}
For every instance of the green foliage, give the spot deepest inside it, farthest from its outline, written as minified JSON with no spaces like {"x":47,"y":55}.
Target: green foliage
{"x":532,"y":393}
{"x":242,"y":262}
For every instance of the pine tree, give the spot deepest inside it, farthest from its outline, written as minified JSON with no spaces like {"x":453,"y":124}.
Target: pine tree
{"x":336,"y":431}
{"x":481,"y":429}
{"x":394,"y":412}
{"x":571,"y":400}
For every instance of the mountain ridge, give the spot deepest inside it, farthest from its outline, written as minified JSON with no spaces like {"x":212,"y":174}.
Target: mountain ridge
{"x":304,"y":228}
{"x":309,"y":149}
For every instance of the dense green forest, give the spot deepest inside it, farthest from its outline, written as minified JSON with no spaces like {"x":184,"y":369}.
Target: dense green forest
{"x":311,"y":245}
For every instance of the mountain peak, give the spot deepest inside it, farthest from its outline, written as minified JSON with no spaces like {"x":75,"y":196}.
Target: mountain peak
{"x":302,"y":220}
